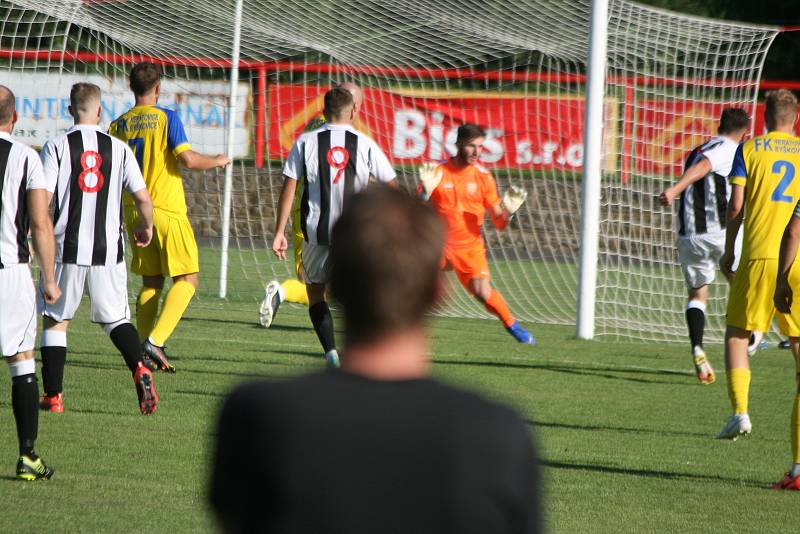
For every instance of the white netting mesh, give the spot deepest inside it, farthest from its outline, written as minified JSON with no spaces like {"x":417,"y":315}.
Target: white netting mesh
{"x":426,"y":66}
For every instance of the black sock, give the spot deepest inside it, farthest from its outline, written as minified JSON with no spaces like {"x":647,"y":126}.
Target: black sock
{"x":126,"y":339}
{"x":53,"y":361}
{"x":25,"y":403}
{"x":696,"y":320}
{"x":323,"y":324}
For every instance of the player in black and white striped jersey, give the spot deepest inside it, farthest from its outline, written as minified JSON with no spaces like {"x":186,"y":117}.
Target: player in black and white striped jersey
{"x":334,"y":161}
{"x":24,"y":200}
{"x":704,"y":191}
{"x":91,"y":169}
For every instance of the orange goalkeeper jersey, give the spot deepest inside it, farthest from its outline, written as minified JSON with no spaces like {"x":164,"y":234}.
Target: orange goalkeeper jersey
{"x":462,"y":198}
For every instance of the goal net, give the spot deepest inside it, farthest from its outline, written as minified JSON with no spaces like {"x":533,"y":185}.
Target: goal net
{"x":517,"y":69}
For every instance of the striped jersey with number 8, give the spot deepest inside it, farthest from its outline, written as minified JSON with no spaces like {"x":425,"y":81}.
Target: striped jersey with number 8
{"x":91,"y":169}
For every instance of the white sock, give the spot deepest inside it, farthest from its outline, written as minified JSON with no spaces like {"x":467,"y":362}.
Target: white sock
{"x":795,"y":470}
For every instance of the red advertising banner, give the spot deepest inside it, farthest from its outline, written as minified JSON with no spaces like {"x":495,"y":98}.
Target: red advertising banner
{"x":665,"y":131}
{"x":524,"y":131}
{"x":414,"y":126}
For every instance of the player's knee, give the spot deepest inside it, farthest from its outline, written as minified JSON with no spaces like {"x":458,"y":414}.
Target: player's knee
{"x":153,"y":282}
{"x":193,"y":279}
{"x":26,"y":356}
{"x":110,"y":327}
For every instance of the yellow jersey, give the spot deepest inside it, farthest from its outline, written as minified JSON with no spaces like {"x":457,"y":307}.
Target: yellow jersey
{"x":157,"y":137}
{"x":767,"y":166}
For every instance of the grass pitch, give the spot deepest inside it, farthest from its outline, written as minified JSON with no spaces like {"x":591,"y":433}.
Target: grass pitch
{"x":624,"y":431}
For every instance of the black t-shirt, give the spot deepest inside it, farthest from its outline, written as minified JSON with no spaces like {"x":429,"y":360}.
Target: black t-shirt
{"x":340,"y":453}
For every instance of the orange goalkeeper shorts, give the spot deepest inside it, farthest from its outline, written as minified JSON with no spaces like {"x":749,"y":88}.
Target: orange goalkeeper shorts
{"x":468,"y":262}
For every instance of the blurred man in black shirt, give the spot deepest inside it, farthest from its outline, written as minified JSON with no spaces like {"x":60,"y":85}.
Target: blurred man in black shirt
{"x":376,"y":446}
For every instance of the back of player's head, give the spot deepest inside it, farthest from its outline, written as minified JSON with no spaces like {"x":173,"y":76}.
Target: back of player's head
{"x":144,"y":77}
{"x":385,"y":253}
{"x":338,"y":103}
{"x":84,"y":98}
{"x":7,"y":105}
{"x":733,"y":120}
{"x":780,"y":108}
{"x":468,"y":132}
{"x":355,"y":90}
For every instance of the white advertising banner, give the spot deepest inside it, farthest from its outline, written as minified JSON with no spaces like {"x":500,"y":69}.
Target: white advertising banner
{"x":43,"y":99}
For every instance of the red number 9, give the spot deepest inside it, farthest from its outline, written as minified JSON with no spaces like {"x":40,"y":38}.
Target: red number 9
{"x":344,"y":159}
{"x":93,"y":170}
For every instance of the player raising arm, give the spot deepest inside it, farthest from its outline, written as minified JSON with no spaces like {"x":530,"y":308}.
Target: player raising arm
{"x":704,"y":194}
{"x":334,"y":162}
{"x":24,"y":200}
{"x":461,"y":191}
{"x":159,"y":141}
{"x":763,"y":185}
{"x":91,"y":169}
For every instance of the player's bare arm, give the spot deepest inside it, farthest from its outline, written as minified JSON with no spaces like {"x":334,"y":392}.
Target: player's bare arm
{"x":279,"y":243}
{"x":692,"y":174}
{"x":44,"y":241}
{"x":143,"y":233}
{"x":734,"y":221}
{"x":190,"y":159}
{"x":789,"y":246}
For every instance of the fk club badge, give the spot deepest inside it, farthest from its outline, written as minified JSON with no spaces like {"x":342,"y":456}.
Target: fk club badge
{"x":338,"y":158}
{"x":472,"y":188}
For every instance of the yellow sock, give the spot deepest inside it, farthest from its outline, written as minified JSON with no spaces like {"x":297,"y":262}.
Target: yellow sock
{"x":175,"y":303}
{"x":295,"y":291}
{"x":147,"y":310}
{"x":739,"y":389}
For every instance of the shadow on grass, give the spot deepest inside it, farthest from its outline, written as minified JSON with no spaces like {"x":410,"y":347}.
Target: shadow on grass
{"x":602,"y":372}
{"x":592,"y":428}
{"x":650,"y":473}
{"x":253,"y":324}
{"x":199,"y":393}
{"x":184,"y":370}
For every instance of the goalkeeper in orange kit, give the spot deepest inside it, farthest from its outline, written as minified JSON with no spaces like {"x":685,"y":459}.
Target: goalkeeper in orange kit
{"x":461,"y":191}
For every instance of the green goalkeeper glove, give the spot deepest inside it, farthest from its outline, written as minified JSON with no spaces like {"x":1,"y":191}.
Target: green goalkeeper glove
{"x":429,"y":176}
{"x":513,"y":199}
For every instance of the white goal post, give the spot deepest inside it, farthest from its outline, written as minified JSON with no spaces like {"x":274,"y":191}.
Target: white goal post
{"x":519,"y":69}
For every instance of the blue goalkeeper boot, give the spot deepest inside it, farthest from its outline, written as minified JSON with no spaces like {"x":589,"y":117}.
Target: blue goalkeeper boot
{"x":521,"y":335}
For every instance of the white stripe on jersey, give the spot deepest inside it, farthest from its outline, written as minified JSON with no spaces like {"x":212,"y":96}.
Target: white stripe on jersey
{"x":703,"y":204}
{"x":91,"y":169}
{"x":20,"y":171}
{"x":333,"y":162}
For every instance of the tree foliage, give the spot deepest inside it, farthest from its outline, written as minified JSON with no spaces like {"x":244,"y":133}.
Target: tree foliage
{"x":783,"y":60}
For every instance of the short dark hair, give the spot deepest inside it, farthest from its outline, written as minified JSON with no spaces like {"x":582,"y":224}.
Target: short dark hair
{"x":385,"y":255}
{"x":143,"y":77}
{"x":733,"y":120}
{"x":468,"y":132}
{"x":81,"y":95}
{"x":7,"y":105}
{"x":780,"y":107}
{"x":337,"y":100}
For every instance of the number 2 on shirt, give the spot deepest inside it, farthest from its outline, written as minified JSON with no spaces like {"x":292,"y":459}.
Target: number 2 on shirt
{"x":788,"y":175}
{"x":137,"y":145}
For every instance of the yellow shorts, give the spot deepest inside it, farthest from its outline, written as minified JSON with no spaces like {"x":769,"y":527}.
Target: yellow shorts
{"x":173,"y":250}
{"x":750,"y":302}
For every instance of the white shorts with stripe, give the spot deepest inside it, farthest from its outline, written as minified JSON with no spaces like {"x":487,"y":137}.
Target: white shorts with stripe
{"x":316,"y":267}
{"x":699,"y":256}
{"x":108,"y":292}
{"x":17,"y":310}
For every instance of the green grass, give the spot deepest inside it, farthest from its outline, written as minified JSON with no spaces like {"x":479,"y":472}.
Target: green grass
{"x":624,"y":430}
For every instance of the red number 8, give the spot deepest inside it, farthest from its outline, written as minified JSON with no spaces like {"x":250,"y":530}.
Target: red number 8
{"x":93,"y":170}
